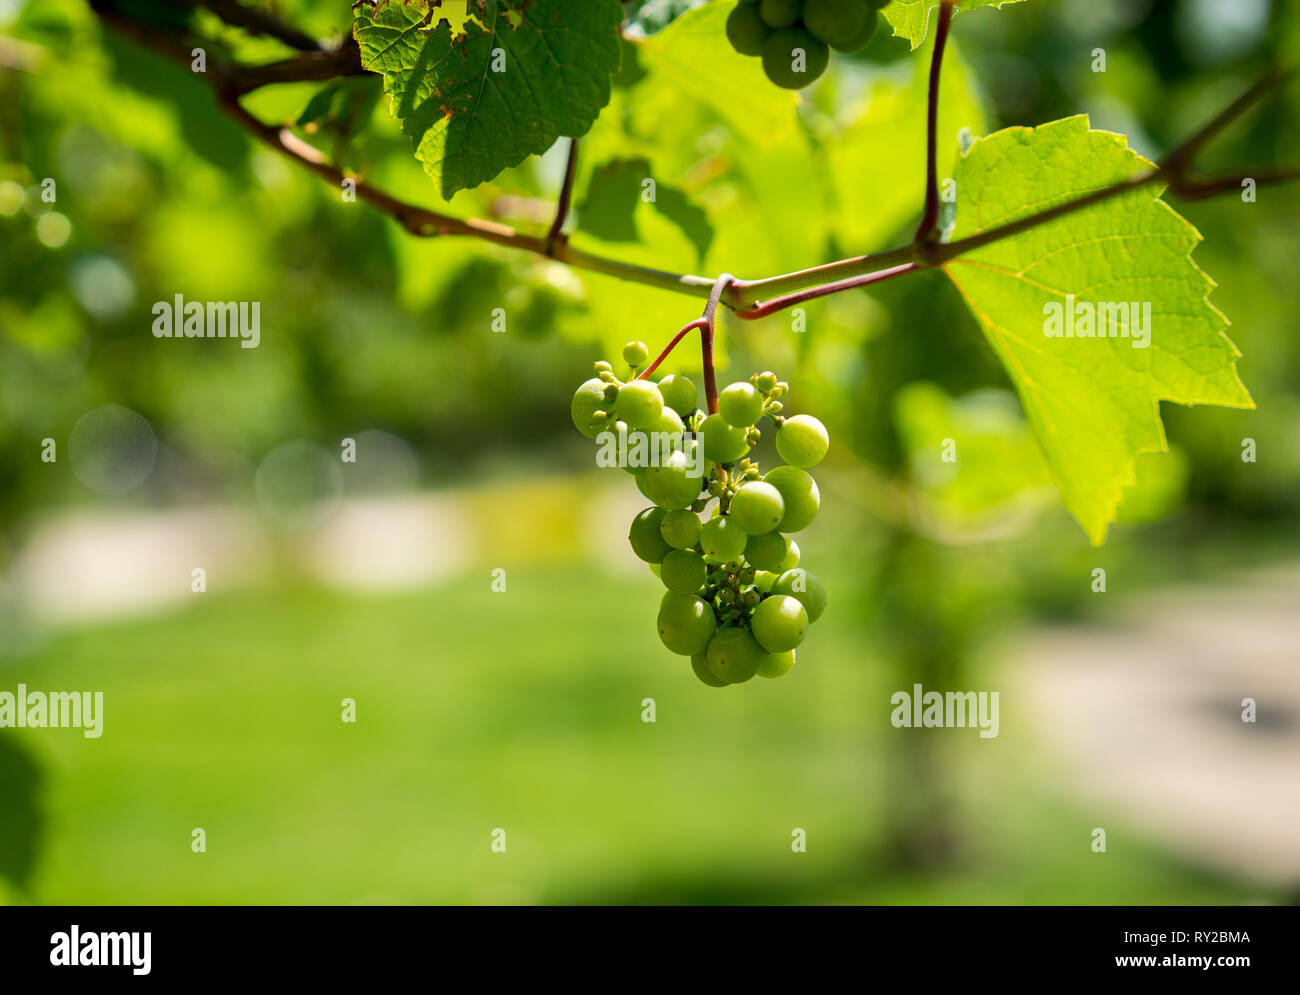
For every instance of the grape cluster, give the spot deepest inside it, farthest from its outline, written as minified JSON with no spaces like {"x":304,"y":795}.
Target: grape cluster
{"x":775,"y":30}
{"x":737,"y":601}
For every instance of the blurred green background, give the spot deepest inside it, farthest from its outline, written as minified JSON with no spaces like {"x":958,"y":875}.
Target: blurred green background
{"x":522,"y":709}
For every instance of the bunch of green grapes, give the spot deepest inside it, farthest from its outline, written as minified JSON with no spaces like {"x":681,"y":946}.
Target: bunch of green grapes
{"x":737,"y":601}
{"x":777,"y":30}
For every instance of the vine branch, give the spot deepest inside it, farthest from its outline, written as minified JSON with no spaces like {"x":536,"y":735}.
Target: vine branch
{"x":556,"y":236}
{"x":928,"y":230}
{"x":750,"y":299}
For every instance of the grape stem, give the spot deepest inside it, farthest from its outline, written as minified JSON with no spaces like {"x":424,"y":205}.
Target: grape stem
{"x":749,"y":298}
{"x":705,"y":323}
{"x":928,"y":230}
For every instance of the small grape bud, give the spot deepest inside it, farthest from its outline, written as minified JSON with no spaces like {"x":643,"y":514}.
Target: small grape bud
{"x":608,"y":377}
{"x":774,"y":407}
{"x":635,"y":353}
{"x":747,"y":575}
{"x":726,"y":596}
{"x":611,"y":393}
{"x":765,"y":381}
{"x":754,"y":435}
{"x":752,"y":473}
{"x":750,"y":598}
{"x":603,"y":367}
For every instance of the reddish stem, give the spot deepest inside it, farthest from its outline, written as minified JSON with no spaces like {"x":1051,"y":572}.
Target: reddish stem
{"x":697,"y":323}
{"x":928,"y":229}
{"x":790,"y":300}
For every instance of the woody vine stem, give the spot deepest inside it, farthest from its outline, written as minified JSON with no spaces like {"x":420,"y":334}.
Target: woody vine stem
{"x":748,"y":299}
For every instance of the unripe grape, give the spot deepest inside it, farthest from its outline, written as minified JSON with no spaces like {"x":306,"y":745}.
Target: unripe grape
{"x":687,"y":623}
{"x":765,"y":381}
{"x":800,"y":493}
{"x":673,"y":485}
{"x":733,"y":655}
{"x":700,"y":664}
{"x":763,"y":581}
{"x":776,"y":664}
{"x":779,"y":623}
{"x":722,"y":442}
{"x":746,"y":29}
{"x":669,"y":423}
{"x":805,"y":588}
{"x":721,"y":540}
{"x":679,"y":393}
{"x":740,"y":405}
{"x":767,"y":550}
{"x":802,"y":441}
{"x":635,"y":354}
{"x":791,"y":558}
{"x":645,"y":537}
{"x":639,"y":403}
{"x":836,"y":22}
{"x":757,"y":507}
{"x":778,"y":14}
{"x":781,"y":57}
{"x":864,"y":35}
{"x":682,"y":571}
{"x":587,"y":400}
{"x":681,"y":529}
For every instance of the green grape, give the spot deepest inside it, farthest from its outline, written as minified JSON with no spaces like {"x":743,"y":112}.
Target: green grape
{"x":763,"y":581}
{"x":836,"y":22}
{"x":802,"y":441}
{"x":654,"y":569}
{"x":683,"y":571}
{"x":740,"y":405}
{"x":805,"y":588}
{"x":800,"y":493}
{"x":783,"y":63}
{"x":587,"y":400}
{"x":779,"y":623}
{"x":791,"y":558}
{"x":733,"y":656}
{"x":778,"y":14}
{"x":757,"y":507}
{"x":681,"y":528}
{"x":679,"y":393}
{"x":687,"y":623}
{"x":635,"y":354}
{"x":645,"y":537}
{"x":863,"y":38}
{"x":700,"y":664}
{"x":670,"y":423}
{"x":766,"y":381}
{"x":746,"y":29}
{"x":640,"y":486}
{"x":775,"y":665}
{"x":639,"y":403}
{"x":673,"y":485}
{"x":722,"y":442}
{"x":766,"y":551}
{"x":721,"y":540}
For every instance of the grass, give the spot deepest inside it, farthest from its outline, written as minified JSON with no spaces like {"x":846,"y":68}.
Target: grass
{"x":520,"y":711}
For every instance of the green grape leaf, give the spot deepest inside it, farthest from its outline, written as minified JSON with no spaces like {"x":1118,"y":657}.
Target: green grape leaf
{"x":1093,"y":399}
{"x":513,"y":78}
{"x":617,"y":189}
{"x":910,"y":18}
{"x":691,"y":57}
